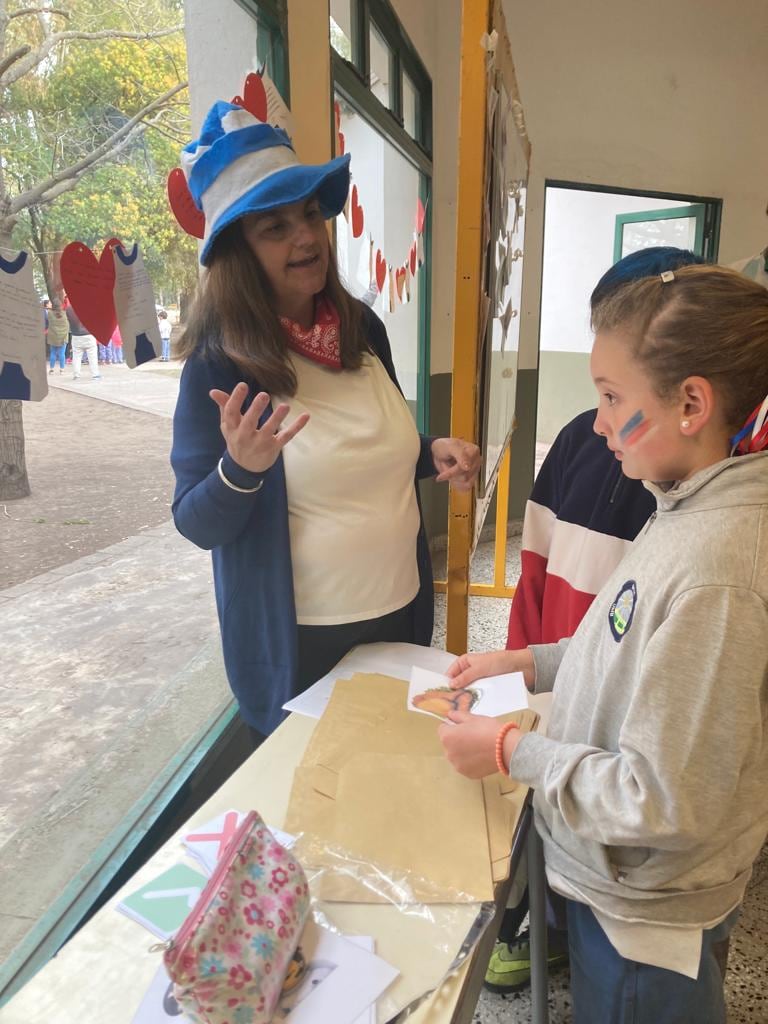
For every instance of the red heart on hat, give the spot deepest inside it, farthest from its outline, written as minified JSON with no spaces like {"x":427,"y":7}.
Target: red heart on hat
{"x":400,"y":281}
{"x":89,"y":284}
{"x":381,"y":269}
{"x":357,"y":215}
{"x":254,"y":98}
{"x":189,"y":218}
{"x":412,"y":258}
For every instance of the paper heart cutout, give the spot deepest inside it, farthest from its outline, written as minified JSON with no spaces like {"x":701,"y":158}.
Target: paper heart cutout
{"x":420,"y":215}
{"x":400,"y":281}
{"x":187,"y":215}
{"x":381,"y":270}
{"x":340,"y":143}
{"x":412,"y":258}
{"x":254,"y":98}
{"x":89,"y":284}
{"x":357,"y":215}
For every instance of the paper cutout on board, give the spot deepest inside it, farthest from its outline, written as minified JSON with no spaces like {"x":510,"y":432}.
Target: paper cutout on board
{"x":421,"y":214}
{"x":262,"y":98}
{"x":400,"y":282}
{"x":135,"y":305}
{"x":412,"y":257}
{"x":163,"y":904}
{"x":89,"y":284}
{"x":430,"y":693}
{"x":381,"y":270}
{"x":183,"y":207}
{"x":356,"y":213}
{"x":340,"y":140}
{"x":254,"y":98}
{"x":22,"y":340}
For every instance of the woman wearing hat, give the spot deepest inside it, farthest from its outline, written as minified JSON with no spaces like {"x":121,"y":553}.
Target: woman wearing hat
{"x":314,"y":523}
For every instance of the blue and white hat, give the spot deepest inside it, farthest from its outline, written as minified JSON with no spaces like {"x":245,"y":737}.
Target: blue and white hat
{"x":240,"y":165}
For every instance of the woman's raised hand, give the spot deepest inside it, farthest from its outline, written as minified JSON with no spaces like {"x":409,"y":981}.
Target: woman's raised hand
{"x":253,"y":447}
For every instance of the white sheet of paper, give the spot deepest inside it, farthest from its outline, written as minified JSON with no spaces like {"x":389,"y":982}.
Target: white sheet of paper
{"x":498,"y":695}
{"x":158,"y":1006}
{"x":340,"y":983}
{"x":135,"y":307}
{"x":388,"y":659}
{"x":22,"y":326}
{"x":368,"y":943}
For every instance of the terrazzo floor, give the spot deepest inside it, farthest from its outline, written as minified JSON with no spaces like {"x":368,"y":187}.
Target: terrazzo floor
{"x":746,"y":985}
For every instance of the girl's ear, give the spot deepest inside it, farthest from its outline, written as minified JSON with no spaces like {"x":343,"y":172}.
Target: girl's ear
{"x":698,"y":404}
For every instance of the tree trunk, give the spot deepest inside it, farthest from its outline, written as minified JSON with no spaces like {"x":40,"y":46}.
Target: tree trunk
{"x":13,"y":466}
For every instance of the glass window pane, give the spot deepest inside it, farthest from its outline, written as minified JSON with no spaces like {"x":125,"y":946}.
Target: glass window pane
{"x":410,"y":107}
{"x":341,"y":28}
{"x":677,"y":231}
{"x":380,"y":65}
{"x":388,"y":192}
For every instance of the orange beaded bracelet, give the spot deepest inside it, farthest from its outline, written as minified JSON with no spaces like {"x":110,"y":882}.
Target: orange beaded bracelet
{"x":500,"y":736}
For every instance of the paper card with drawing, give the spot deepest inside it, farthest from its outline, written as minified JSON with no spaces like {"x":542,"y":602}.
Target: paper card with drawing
{"x":163,"y":904}
{"x":331,"y":980}
{"x":430,"y":694}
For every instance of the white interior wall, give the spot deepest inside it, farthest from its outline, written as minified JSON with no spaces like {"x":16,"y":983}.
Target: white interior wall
{"x":578,"y":249}
{"x":664,"y":97}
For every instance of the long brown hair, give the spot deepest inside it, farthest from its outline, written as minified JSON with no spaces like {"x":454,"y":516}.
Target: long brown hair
{"x":233,"y":316}
{"x":707,"y":322}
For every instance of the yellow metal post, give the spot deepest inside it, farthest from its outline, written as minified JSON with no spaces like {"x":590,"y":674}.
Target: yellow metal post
{"x":475,"y":16}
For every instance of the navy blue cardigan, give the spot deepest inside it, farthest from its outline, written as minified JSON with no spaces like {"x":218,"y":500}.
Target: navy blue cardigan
{"x":249,"y":539}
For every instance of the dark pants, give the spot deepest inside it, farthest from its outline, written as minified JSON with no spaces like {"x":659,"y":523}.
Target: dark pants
{"x":607,"y":989}
{"x":322,"y":647}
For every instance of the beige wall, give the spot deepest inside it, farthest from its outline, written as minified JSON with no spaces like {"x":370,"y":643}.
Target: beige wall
{"x":660,"y":96}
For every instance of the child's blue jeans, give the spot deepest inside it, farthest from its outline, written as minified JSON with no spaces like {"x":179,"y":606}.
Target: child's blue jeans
{"x":57,"y":354}
{"x":607,"y":989}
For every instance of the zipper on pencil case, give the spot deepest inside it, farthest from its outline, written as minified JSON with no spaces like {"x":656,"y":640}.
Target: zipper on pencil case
{"x":235,"y":845}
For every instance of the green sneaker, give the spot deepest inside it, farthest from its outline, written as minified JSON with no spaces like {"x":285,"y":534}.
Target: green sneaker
{"x":509,"y":969}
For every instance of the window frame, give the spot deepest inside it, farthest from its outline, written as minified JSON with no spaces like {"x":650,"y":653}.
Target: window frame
{"x":271,"y":18}
{"x":352,"y":80}
{"x":696,"y":211}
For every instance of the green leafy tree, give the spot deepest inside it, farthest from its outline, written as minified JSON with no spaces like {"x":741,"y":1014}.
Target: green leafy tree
{"x":93,"y":109}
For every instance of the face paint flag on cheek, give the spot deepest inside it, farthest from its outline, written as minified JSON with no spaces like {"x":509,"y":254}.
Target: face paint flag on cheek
{"x":634,"y":429}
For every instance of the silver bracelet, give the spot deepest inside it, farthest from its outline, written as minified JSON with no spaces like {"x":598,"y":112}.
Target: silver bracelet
{"x":240,"y":490}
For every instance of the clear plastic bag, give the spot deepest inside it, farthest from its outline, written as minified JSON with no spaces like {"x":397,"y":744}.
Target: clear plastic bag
{"x":427,"y":942}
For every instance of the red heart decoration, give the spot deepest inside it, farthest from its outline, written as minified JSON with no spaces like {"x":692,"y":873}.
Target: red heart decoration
{"x":89,"y":284}
{"x":339,"y":133}
{"x":420,"y":215}
{"x":254,"y":98}
{"x":357,"y":215}
{"x":381,"y":269}
{"x":189,"y":218}
{"x":412,"y":258}
{"x":400,"y":281}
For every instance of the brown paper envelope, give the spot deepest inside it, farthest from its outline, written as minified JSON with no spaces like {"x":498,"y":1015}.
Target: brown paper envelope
{"x":387,"y":816}
{"x":369,"y":712}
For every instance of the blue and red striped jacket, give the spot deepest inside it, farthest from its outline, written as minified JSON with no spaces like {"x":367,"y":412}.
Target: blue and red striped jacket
{"x":582,"y":516}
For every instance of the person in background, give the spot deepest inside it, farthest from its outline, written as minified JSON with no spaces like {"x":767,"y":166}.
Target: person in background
{"x":580,"y":520}
{"x":315,"y":524}
{"x":116,"y":344}
{"x":165,"y":335}
{"x":82,"y":342}
{"x":58,"y":335}
{"x":46,"y":304}
{"x":649,"y":787}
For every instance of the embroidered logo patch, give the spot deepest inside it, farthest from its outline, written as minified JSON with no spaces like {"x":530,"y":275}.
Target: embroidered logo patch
{"x":622,"y":610}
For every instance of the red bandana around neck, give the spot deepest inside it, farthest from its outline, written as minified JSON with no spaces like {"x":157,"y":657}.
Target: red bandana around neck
{"x":320,"y":342}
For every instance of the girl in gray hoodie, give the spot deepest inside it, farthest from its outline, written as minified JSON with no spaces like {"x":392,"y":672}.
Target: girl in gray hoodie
{"x":650,"y":787}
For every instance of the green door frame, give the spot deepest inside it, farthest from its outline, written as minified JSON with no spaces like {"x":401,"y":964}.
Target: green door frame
{"x":271,"y":40}
{"x":695,"y":210}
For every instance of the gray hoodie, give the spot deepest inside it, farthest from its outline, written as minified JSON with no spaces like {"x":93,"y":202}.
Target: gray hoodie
{"x":652,"y":784}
